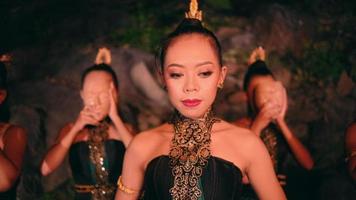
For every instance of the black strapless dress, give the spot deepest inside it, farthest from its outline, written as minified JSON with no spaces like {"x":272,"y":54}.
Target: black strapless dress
{"x":9,"y":194}
{"x":83,"y":170}
{"x":221,"y":180}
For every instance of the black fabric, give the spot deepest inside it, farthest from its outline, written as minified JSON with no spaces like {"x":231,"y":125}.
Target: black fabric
{"x":80,"y":164}
{"x":221,"y":179}
{"x":9,"y":194}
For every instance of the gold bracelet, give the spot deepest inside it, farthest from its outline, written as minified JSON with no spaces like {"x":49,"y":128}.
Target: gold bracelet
{"x":123,"y":188}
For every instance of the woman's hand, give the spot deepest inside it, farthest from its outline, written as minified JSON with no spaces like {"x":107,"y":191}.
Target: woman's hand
{"x":113,"y":111}
{"x":283,"y":100}
{"x":86,"y":117}
{"x":269,"y":111}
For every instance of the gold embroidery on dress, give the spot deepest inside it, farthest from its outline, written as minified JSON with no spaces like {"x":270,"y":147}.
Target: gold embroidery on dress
{"x":269,"y":138}
{"x":189,"y":153}
{"x":97,"y":136}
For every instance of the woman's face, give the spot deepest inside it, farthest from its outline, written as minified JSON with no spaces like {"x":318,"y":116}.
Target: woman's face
{"x":260,"y":90}
{"x":95,"y":93}
{"x":192,"y":74}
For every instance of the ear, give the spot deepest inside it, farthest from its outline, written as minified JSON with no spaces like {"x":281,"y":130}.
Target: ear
{"x":3,"y":95}
{"x":161,"y":78}
{"x":223,"y":72}
{"x":81,"y":94}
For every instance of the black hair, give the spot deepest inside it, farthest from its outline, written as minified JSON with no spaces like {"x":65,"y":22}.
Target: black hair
{"x":258,"y":68}
{"x":4,"y":106}
{"x":186,"y":27}
{"x":100,"y":67}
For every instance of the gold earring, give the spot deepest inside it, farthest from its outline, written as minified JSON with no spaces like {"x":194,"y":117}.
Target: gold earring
{"x":221,"y":85}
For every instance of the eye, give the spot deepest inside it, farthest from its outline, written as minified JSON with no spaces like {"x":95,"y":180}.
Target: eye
{"x":205,"y":74}
{"x":175,"y":75}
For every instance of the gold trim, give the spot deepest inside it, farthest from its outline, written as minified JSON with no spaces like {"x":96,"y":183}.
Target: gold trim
{"x":97,"y":155}
{"x":94,"y":189}
{"x":84,"y":188}
{"x":123,"y":188}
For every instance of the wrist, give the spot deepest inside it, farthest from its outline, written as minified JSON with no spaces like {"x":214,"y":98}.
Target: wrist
{"x":256,"y":128}
{"x":114,"y":117}
{"x":280,"y":121}
{"x":77,"y":127}
{"x":65,"y":144}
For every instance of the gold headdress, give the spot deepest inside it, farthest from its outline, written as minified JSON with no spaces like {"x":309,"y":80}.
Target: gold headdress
{"x":194,"y":13}
{"x":103,"y":56}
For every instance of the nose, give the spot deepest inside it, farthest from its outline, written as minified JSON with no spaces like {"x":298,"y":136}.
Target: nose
{"x":190,"y":85}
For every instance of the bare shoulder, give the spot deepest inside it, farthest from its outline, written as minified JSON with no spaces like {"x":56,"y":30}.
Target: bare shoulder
{"x":243,"y":138}
{"x":151,"y":136}
{"x":351,"y":129}
{"x":232,"y":130}
{"x":15,"y":131}
{"x":15,"y":136}
{"x":148,"y":141}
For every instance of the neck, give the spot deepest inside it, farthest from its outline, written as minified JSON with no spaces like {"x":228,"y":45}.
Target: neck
{"x":209,"y":114}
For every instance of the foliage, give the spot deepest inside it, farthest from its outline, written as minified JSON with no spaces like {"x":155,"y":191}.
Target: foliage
{"x":147,"y":23}
{"x":322,"y":62}
{"x":329,"y":51}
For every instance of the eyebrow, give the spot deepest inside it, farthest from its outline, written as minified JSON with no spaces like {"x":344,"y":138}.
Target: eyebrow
{"x":197,"y":65}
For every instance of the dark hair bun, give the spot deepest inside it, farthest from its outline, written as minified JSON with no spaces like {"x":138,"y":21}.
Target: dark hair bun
{"x":189,"y":25}
{"x":3,"y":76}
{"x":258,"y":68}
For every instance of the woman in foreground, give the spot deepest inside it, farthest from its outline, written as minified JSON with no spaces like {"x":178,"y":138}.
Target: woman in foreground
{"x":195,"y":155}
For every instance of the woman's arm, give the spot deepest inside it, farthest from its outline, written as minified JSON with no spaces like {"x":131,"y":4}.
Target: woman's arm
{"x":350,"y":145}
{"x":125,"y":134}
{"x":132,"y":177}
{"x":300,"y":152}
{"x":59,"y":150}
{"x":57,"y":153}
{"x":265,"y":116}
{"x":121,"y":128}
{"x":11,"y":157}
{"x":261,"y":174}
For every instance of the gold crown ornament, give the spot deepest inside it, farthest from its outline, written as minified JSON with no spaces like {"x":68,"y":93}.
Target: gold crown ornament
{"x":193,"y":12}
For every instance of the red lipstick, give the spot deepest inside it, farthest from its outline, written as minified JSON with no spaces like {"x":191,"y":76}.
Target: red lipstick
{"x":191,"y":102}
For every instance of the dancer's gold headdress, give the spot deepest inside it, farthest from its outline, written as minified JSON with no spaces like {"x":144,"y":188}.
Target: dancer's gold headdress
{"x":193,"y":12}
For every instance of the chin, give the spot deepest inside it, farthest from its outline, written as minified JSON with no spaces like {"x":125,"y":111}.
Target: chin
{"x":102,"y":117}
{"x":192,"y":113}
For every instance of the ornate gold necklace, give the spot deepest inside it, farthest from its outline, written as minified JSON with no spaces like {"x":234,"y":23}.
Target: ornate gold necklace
{"x":189,"y":153}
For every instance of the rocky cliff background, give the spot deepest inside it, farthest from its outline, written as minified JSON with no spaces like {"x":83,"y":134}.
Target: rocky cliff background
{"x":310,"y":47}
